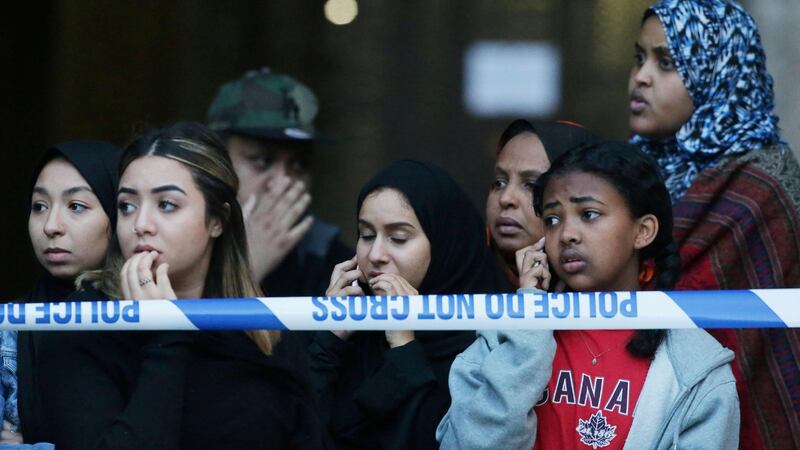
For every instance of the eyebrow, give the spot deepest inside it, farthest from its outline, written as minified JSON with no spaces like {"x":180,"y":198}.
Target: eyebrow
{"x":530,"y":173}
{"x":578,"y":200}
{"x":660,"y":50}
{"x":523,"y":173}
{"x":70,"y":191}
{"x":155,"y":190}
{"x":550,"y":205}
{"x":584,"y":199}
{"x":388,"y":225}
{"x":400,"y":225}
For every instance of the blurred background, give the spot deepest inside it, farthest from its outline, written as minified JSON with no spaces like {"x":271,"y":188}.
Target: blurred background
{"x":425,"y":79}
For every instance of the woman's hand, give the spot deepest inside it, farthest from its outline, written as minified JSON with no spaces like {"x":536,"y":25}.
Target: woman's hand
{"x":9,"y":436}
{"x":391,"y":284}
{"x":342,"y":278}
{"x":396,"y":338}
{"x":532,"y":266}
{"x":140,"y":282}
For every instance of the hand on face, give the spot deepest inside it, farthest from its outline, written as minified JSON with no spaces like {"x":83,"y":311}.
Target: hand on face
{"x":140,"y":281}
{"x":509,"y":206}
{"x":391,"y":284}
{"x":534,"y":272}
{"x":342,"y":278}
{"x":161,"y":208}
{"x":591,"y":236}
{"x":271,"y":219}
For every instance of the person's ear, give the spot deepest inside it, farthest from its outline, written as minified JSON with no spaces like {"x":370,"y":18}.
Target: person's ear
{"x":216,"y":226}
{"x":646,"y":231}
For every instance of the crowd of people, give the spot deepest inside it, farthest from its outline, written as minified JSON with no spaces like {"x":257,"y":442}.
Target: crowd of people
{"x":705,"y":195}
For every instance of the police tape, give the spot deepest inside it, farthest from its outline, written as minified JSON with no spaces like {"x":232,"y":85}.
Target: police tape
{"x":765,"y":308}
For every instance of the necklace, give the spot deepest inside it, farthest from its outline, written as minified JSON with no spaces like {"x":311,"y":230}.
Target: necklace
{"x":596,"y":356}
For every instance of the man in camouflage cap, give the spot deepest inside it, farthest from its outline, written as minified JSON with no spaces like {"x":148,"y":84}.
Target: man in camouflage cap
{"x":267,"y":121}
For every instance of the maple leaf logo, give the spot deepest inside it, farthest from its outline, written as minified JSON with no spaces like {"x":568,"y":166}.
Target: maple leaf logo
{"x":596,"y":432}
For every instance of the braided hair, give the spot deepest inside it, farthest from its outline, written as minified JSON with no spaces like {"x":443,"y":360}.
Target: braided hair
{"x":636,"y":176}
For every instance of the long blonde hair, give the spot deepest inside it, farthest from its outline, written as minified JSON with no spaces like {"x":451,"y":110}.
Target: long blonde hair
{"x":204,"y":154}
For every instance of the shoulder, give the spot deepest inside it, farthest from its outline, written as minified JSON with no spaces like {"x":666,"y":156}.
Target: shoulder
{"x":761,"y":187}
{"x":696,"y":356}
{"x":519,"y":345}
{"x":774,"y":169}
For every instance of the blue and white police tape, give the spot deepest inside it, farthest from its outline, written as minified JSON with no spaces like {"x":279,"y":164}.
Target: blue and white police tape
{"x":766,"y":308}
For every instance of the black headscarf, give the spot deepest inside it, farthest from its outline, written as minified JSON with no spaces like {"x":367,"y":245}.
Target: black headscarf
{"x":461,"y":262}
{"x":557,"y":137}
{"x":98,"y":164}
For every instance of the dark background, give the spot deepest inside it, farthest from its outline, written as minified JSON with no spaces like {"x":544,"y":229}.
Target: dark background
{"x":389,"y":83}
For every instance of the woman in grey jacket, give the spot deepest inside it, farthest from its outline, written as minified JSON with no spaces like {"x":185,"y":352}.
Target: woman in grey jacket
{"x":606,"y":214}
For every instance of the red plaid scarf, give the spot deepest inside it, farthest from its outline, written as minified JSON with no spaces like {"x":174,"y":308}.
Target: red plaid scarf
{"x":738,"y":228}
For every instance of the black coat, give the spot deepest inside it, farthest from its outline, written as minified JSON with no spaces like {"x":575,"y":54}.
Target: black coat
{"x":165,"y":390}
{"x":374,"y":397}
{"x":238,"y":398}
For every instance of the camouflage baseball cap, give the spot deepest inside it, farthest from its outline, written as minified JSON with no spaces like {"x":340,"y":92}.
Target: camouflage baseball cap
{"x":265,"y":104}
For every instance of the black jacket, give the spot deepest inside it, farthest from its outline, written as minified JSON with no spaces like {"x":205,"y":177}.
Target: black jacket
{"x":238,"y":398}
{"x":374,"y":397}
{"x":164,"y":390}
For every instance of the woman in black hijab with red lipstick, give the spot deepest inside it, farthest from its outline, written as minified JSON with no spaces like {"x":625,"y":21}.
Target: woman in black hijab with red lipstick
{"x":418,"y":233}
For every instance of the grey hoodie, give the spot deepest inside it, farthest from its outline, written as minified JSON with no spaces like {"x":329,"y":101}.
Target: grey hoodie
{"x":688,"y":400}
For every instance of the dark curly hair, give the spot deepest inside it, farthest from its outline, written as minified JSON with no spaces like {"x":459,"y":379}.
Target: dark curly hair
{"x":636,"y":176}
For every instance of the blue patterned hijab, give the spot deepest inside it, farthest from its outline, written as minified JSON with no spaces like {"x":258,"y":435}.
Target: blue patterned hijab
{"x":718,"y":54}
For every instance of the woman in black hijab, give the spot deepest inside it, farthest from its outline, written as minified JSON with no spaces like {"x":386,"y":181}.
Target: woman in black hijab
{"x":71,"y":218}
{"x":418,"y":233}
{"x":524,"y":152}
{"x":96,"y":166}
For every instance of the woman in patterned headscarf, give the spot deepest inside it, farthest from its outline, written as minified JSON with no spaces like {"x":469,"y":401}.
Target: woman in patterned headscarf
{"x":701,"y":103}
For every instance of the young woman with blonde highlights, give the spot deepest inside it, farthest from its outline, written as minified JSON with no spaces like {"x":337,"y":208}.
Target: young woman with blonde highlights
{"x":181,"y":236}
